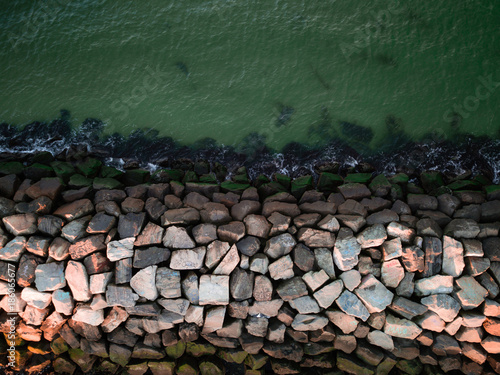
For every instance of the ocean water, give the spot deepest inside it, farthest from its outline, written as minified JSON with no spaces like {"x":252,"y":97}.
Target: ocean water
{"x":265,"y":71}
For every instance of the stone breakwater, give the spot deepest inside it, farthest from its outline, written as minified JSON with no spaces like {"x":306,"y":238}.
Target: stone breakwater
{"x":179,"y":272}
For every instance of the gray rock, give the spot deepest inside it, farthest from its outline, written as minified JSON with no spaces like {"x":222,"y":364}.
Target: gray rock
{"x":280,"y":245}
{"x":120,"y":296}
{"x":453,"y":257}
{"x":178,"y":238}
{"x":50,"y":276}
{"x":214,"y":290}
{"x":374,"y":294}
{"x":13,"y":250}
{"x":351,"y":305}
{"x":442,"y":304}
{"x":434,"y":285}
{"x":346,"y":252}
{"x":188,"y":259}
{"x":117,"y":250}
{"x":309,"y":322}
{"x":372,"y":236}
{"x":144,"y":283}
{"x":168,"y":282}
{"x":462,"y":228}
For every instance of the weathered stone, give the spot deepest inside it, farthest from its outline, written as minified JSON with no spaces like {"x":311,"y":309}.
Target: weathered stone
{"x":101,"y":223}
{"x":123,"y":271}
{"x":329,"y":223}
{"x":372,"y":236}
{"x":280,"y":223}
{"x":346,"y":323}
{"x":50,"y":276}
{"x":491,"y":308}
{"x":116,"y":316}
{"x":413,"y":259}
{"x":401,"y":328}
{"x":86,"y":246}
{"x":434,"y":285}
{"x":382,"y":217}
{"x":279,"y":246}
{"x":491,"y":344}
{"x":351,"y":279}
{"x":214,"y":319}
{"x":316,"y":238}
{"x":150,"y":256}
{"x":351,"y":305}
{"x":20,"y":224}
{"x":428,"y":227}
{"x":491,"y":247}
{"x":76,"y":229}
{"x":75,"y":210}
{"x":351,"y":207}
{"x":154,"y":208}
{"x":462,"y":228}
{"x":78,"y":281}
{"x":407,"y":308}
{"x":35,"y":298}
{"x":188,"y":259}
{"x":232,"y":232}
{"x":84,"y":314}
{"x":353,"y":222}
{"x":392,"y":249}
{"x":241,"y":284}
{"x":431,"y":322}
{"x":470,"y":334}
{"x":215,"y":213}
{"x":244,"y":208}
{"x":281,"y":268}
{"x":13,"y":249}
{"x":121,"y":249}
{"x":130,"y":225}
{"x":120,"y":296}
{"x":63,"y":302}
{"x":144,"y":283}
{"x":259,"y":263}
{"x":324,"y":260}
{"x":303,"y":257}
{"x":392,"y":273}
{"x":50,"y":225}
{"x":381,"y":339}
{"x":401,"y":231}
{"x":292,"y":288}
{"x":228,"y":263}
{"x":309,"y":322}
{"x":314,"y":280}
{"x":373,"y":294}
{"x":305,"y":305}
{"x":433,"y":249}
{"x":288,"y":209}
{"x":470,"y":293}
{"x":354,"y":191}
{"x":204,"y":233}
{"x":99,"y":282}
{"x":152,"y":234}
{"x":214,"y":290}
{"x":453,"y":258}
{"x":345,"y":253}
{"x":257,"y":225}
{"x":168,"y":282}
{"x":109,"y":207}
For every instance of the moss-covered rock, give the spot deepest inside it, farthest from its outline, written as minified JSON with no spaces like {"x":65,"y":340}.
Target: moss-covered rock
{"x":11,"y":167}
{"x":187,"y":366}
{"x":270,"y":188}
{"x":108,"y":367}
{"x":360,"y":178}
{"x":63,"y":170}
{"x":232,"y":355}
{"x":228,"y":186}
{"x":464,"y":185}
{"x":83,"y":360}
{"x":41,"y":347}
{"x":211,"y":368}
{"x":396,"y":192}
{"x":79,"y":181}
{"x":492,"y":192}
{"x":283,"y":180}
{"x":300,"y":185}
{"x":42,"y":157}
{"x":198,"y":349}
{"x":110,"y":172}
{"x":162,"y":367}
{"x":327,"y":182}
{"x":380,"y":186}
{"x":351,"y":365}
{"x":136,"y":368}
{"x":261,"y":180}
{"x":386,"y":366}
{"x":167,"y":175}
{"x":414,"y":189}
{"x":106,"y":183}
{"x":190,"y":176}
{"x":176,"y":351}
{"x":38,"y":171}
{"x":134,"y":177}
{"x":400,"y":178}
{"x":220,"y":171}
{"x":410,"y":367}
{"x":256,"y":361}
{"x":431,"y":180}
{"x":89,"y":167}
{"x":64,"y":366}
{"x":208,"y":178}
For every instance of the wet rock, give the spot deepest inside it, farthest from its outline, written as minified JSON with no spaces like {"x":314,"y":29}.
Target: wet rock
{"x":354,"y":191}
{"x":50,"y":276}
{"x":20,"y":224}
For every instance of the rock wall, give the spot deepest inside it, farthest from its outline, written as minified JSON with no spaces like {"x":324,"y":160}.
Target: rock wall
{"x":122,"y":272}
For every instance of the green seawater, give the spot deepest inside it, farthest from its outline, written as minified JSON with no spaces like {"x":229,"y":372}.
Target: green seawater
{"x":225,"y":68}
